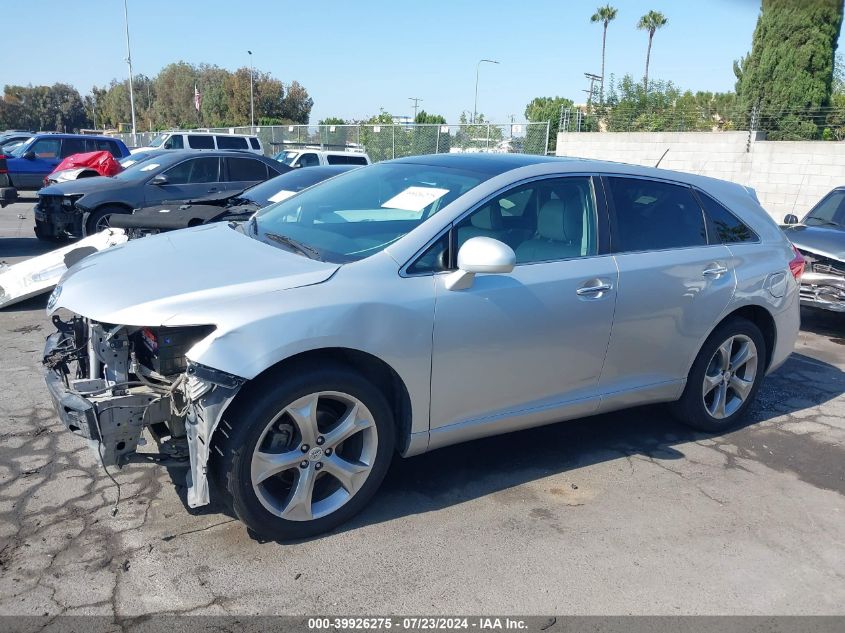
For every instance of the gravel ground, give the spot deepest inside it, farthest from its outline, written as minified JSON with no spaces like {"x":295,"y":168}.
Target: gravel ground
{"x":627,"y":513}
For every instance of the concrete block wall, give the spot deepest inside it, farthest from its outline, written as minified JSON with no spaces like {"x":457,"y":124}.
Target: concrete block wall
{"x":789,"y":176}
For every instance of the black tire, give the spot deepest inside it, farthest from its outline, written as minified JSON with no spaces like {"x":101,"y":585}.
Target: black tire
{"x":691,"y":409}
{"x":97,"y":217}
{"x":244,"y":425}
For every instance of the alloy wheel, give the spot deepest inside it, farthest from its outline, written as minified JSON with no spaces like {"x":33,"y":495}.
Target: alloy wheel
{"x":729,"y":377}
{"x":314,"y":455}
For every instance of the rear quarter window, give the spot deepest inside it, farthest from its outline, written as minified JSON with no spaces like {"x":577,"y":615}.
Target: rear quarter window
{"x":254,"y":143}
{"x":724,"y":225}
{"x":246,"y":169}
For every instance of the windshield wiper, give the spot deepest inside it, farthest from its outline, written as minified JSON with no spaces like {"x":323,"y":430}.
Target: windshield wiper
{"x":299,"y":247}
{"x":821,"y":221}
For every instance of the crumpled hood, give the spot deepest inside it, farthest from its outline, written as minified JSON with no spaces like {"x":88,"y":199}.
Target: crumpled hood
{"x":83,"y":186}
{"x":824,"y":240}
{"x":181,"y":278}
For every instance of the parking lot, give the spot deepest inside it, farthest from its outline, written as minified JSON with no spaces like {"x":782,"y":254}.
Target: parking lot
{"x":627,"y":513}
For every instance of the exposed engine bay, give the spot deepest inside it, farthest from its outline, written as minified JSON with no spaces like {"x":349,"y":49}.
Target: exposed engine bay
{"x":110,"y":382}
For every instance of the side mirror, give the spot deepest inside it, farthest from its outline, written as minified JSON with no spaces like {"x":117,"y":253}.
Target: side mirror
{"x":480,"y":255}
{"x":161,"y":179}
{"x":790,"y":219}
{"x":30,"y":155}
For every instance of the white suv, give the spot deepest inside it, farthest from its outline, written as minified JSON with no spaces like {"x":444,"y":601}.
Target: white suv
{"x":307,"y":157}
{"x":203,"y":140}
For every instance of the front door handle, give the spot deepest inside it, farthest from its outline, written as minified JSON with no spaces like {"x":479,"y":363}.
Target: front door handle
{"x":715,"y":271}
{"x":593,"y":290}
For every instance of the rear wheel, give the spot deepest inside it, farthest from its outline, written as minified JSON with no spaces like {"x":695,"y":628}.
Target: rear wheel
{"x":304,"y":453}
{"x":99,"y":220}
{"x":724,"y":378}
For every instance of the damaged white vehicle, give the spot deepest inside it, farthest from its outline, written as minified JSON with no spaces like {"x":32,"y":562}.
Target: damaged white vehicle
{"x":410,"y":305}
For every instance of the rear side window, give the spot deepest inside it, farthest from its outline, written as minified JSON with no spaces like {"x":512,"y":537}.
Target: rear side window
{"x":727,"y":227}
{"x":231,"y":142}
{"x":649,"y":215}
{"x":71,"y":146}
{"x":253,"y":141}
{"x":246,"y":169}
{"x":343,"y":159}
{"x":197,"y":141}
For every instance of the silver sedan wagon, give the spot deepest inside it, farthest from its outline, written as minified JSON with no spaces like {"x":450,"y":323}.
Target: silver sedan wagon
{"x":414,"y":304}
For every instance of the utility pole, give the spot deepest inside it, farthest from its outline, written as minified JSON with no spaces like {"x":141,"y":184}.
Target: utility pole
{"x":416,"y":101}
{"x":129,"y":61}
{"x":593,"y":79}
{"x":251,"y":97}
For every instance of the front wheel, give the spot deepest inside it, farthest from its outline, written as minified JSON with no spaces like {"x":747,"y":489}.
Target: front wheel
{"x":304,"y":453}
{"x":100,"y":219}
{"x":724,"y":378}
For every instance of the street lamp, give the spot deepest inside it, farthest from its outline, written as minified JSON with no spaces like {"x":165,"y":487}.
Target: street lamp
{"x":129,"y":61}
{"x":251,"y":98}
{"x":477,"y":68}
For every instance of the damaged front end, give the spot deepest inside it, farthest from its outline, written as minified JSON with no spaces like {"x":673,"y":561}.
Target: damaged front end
{"x":823,"y":282}
{"x":110,"y":382}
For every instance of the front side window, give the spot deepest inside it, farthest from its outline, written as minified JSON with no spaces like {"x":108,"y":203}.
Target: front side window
{"x":308,"y":160}
{"x":194,"y":171}
{"x":231,"y":142}
{"x":241,"y":169}
{"x":199,"y":141}
{"x":361,"y":212}
{"x":46,"y":147}
{"x":158,"y":140}
{"x":650,"y":215}
{"x":545,"y":220}
{"x":831,"y":210}
{"x":175,"y":142}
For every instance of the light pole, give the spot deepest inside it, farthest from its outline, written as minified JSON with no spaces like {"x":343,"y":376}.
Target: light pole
{"x":251,"y":98}
{"x":416,"y":101}
{"x":129,"y":61}
{"x":477,"y":68}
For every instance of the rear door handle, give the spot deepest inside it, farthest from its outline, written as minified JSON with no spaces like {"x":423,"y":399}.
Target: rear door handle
{"x":715,"y":271}
{"x":592,"y":290}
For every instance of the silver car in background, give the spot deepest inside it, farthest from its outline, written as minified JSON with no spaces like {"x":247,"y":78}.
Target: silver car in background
{"x":413,"y":304}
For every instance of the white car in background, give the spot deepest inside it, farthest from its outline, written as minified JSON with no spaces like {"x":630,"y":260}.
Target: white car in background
{"x":307,"y":157}
{"x":203,"y":140}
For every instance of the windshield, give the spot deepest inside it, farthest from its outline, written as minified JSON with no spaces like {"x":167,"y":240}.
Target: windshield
{"x":361,"y":212}
{"x":287,"y":157}
{"x":831,"y":211}
{"x":158,"y":140}
{"x":137,"y":163}
{"x":20,"y":149}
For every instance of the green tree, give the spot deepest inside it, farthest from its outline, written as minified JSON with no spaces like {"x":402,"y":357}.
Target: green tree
{"x":605,"y":15}
{"x":650,"y":22}
{"x":425,"y":117}
{"x":57,"y":108}
{"x":546,"y":109}
{"x":296,"y":105}
{"x":788,"y":74}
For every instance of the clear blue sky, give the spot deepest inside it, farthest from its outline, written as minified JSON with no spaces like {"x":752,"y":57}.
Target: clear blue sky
{"x":355,"y":57}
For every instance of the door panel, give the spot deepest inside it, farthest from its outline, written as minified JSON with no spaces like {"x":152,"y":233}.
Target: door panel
{"x":518,"y":341}
{"x":666,"y":305}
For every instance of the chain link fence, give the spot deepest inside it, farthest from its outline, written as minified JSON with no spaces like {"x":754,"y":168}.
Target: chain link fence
{"x":383,"y":142}
{"x":826,"y":123}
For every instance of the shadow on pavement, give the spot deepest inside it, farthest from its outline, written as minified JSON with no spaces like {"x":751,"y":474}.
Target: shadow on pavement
{"x":824,"y":323}
{"x":26,"y":246}
{"x":463,"y":472}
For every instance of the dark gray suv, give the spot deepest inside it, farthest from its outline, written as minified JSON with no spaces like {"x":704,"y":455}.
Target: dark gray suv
{"x":83,"y":207}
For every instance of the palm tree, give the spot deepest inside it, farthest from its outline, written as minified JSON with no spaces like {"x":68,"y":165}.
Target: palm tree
{"x":603,"y":14}
{"x":650,"y":22}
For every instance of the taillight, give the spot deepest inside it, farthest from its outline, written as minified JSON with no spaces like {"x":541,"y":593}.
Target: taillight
{"x":3,"y":168}
{"x":797,"y":263}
